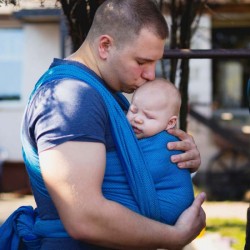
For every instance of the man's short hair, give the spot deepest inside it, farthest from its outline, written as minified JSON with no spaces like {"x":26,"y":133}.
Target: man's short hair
{"x":124,"y":19}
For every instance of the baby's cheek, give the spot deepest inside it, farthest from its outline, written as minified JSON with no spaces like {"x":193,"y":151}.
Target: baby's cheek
{"x":129,"y":116}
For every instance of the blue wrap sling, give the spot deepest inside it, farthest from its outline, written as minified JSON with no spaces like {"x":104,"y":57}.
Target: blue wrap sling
{"x":127,"y":146}
{"x":142,"y":188}
{"x":173,"y":186}
{"x":129,"y":152}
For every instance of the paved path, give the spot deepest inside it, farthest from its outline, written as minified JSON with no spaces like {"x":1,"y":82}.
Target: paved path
{"x":226,"y":210}
{"x":10,"y":202}
{"x":210,"y":241}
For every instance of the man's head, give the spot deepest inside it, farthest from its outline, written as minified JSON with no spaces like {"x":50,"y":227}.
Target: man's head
{"x":124,"y":19}
{"x":154,"y":107}
{"x":127,"y":37}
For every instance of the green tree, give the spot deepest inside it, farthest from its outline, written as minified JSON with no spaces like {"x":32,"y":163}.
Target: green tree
{"x":6,"y":2}
{"x":183,"y":24}
{"x":79,"y":14}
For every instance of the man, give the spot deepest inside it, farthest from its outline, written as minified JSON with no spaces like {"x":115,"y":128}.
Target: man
{"x":67,"y":124}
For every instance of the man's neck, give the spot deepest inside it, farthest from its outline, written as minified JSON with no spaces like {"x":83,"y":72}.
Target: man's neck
{"x":85,"y":56}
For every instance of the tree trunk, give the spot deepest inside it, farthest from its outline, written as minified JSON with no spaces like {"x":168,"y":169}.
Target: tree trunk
{"x":79,"y":14}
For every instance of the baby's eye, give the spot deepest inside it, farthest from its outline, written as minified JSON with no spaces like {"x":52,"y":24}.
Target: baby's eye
{"x":150,"y":117}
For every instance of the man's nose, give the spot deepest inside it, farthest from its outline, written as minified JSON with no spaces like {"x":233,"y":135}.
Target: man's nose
{"x":149,"y":72}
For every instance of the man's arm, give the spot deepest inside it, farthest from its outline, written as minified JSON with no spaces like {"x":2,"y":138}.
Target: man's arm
{"x":191,"y":156}
{"x":73,"y":173}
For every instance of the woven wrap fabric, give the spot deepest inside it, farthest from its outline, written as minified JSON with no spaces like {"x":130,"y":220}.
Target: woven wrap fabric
{"x":173,"y":185}
{"x":24,"y":224}
{"x":129,"y":152}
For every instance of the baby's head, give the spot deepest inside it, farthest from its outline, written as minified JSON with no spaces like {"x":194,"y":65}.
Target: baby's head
{"x":154,"y":107}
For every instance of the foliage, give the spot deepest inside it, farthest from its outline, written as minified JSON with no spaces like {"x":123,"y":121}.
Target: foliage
{"x":232,"y":228}
{"x":183,"y":25}
{"x":6,"y":2}
{"x":79,"y":16}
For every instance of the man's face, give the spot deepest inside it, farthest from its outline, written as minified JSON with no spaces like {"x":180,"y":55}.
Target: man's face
{"x":134,"y":64}
{"x":148,"y":114}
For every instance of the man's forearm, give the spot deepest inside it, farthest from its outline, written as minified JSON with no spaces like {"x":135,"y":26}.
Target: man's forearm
{"x":74,"y":182}
{"x":117,"y":227}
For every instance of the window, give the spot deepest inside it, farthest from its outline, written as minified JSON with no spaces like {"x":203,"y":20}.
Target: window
{"x":230,"y":77}
{"x":11,"y":55}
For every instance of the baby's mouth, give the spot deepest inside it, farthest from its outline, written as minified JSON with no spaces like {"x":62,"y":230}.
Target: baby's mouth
{"x":137,"y":130}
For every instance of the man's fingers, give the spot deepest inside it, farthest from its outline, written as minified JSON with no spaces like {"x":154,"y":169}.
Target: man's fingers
{"x":178,"y":133}
{"x":200,"y":198}
{"x":192,"y":165}
{"x":180,"y":145}
{"x":190,"y":158}
{"x":185,"y":156}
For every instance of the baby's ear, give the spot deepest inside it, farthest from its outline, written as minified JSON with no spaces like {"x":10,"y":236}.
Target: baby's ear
{"x":172,"y":122}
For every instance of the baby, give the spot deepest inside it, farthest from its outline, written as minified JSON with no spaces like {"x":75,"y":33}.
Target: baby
{"x":154,"y":107}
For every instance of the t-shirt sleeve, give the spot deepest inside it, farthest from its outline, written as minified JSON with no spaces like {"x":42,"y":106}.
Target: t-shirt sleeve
{"x":64,"y":111}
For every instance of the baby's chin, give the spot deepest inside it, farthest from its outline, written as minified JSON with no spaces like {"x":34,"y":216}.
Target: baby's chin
{"x":140,"y":136}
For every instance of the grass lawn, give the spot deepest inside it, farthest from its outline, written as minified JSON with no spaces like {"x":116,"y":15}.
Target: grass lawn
{"x":232,"y":228}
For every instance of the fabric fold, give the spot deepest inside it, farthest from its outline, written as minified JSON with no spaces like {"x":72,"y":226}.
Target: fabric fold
{"x":25,"y":224}
{"x":129,"y":151}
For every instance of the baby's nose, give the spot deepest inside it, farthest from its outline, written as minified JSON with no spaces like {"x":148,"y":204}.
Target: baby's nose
{"x":138,"y":120}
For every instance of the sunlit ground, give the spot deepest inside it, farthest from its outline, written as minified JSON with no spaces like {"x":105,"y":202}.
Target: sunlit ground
{"x":233,"y":230}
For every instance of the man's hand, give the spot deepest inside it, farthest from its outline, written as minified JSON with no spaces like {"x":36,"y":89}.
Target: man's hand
{"x":191,"y":156}
{"x":192,"y":221}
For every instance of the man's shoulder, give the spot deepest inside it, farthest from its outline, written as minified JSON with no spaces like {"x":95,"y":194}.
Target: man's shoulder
{"x":68,"y":91}
{"x":74,"y":85}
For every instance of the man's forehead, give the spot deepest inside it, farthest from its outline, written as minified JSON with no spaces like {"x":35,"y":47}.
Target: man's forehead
{"x":147,"y":41}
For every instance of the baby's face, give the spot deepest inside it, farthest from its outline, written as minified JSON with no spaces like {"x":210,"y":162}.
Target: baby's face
{"x":148,"y":116}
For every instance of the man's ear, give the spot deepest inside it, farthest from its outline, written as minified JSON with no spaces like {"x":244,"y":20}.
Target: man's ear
{"x":172,"y":122}
{"x":105,"y":43}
